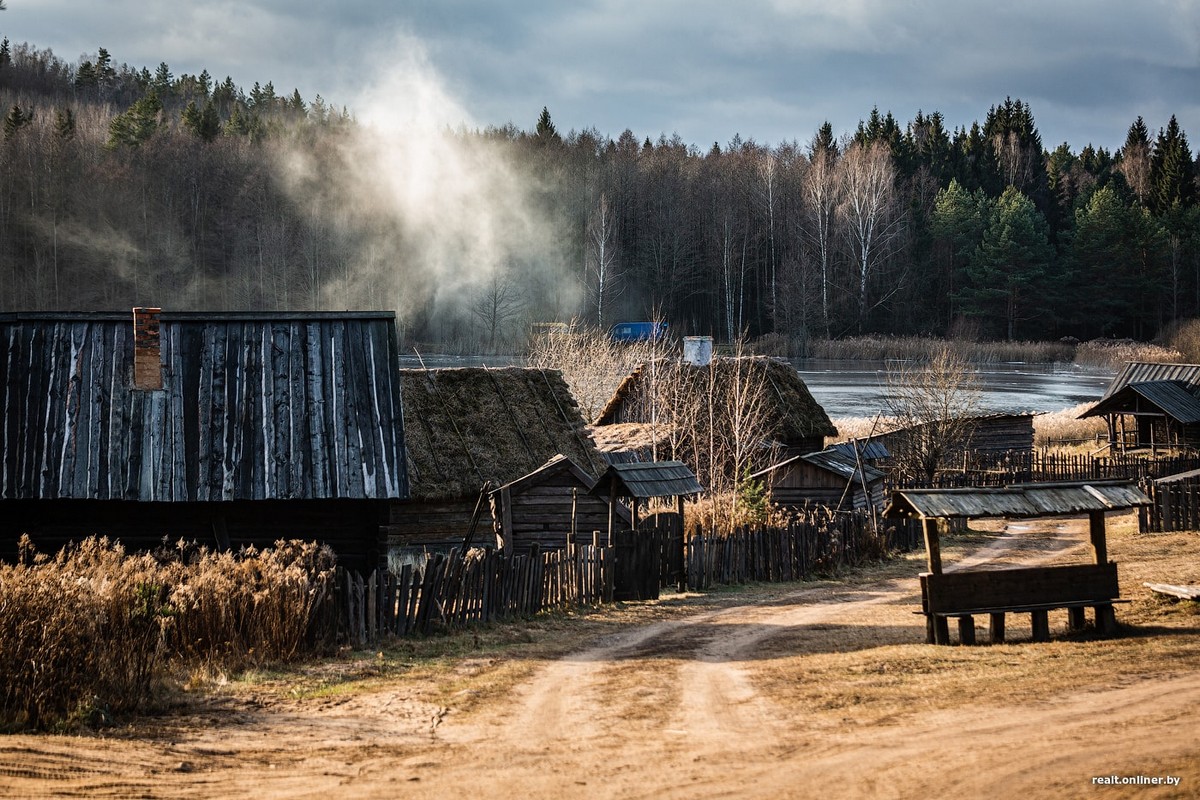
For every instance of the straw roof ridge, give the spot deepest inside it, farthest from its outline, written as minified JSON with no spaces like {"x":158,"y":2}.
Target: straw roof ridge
{"x":468,"y":425}
{"x":796,"y":413}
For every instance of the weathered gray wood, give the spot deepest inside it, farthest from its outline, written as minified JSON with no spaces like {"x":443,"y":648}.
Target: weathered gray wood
{"x":1181,"y":592}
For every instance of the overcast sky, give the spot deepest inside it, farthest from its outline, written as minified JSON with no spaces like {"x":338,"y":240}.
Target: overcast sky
{"x":770,"y":70}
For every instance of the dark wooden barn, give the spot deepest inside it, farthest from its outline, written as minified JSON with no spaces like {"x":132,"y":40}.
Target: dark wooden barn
{"x":829,"y":478}
{"x":546,"y":505}
{"x":797,"y":422}
{"x":472,"y":430}
{"x":231,"y":429}
{"x":1151,"y":406}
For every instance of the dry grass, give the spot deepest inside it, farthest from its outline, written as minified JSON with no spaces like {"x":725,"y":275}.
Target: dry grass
{"x":1113,"y":355}
{"x":94,"y":631}
{"x":1064,"y":429}
{"x":870,"y":671}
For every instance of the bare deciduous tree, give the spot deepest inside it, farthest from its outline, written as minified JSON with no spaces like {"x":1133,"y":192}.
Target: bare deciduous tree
{"x":498,"y":302}
{"x":934,"y":406}
{"x":605,"y":275}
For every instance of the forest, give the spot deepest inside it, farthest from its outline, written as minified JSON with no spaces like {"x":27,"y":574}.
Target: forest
{"x":123,"y":186}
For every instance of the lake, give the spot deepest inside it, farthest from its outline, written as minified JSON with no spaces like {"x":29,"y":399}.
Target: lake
{"x":857,"y":388}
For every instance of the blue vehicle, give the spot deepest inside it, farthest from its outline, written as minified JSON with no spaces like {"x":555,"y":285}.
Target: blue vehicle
{"x":638,"y":331}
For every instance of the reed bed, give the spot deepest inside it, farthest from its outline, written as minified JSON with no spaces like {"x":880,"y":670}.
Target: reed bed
{"x":1064,"y":430}
{"x":1114,"y":354}
{"x":920,"y":348}
{"x":94,"y":631}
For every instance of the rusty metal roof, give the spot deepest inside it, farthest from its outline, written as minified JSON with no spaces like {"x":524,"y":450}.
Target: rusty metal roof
{"x":648,"y":479}
{"x":1020,"y":500}
{"x":1172,"y":398}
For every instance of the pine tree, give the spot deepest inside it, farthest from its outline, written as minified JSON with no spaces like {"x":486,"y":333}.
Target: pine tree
{"x":1172,"y":178}
{"x":1010,"y":271}
{"x":15,"y":120}
{"x":64,"y":124}
{"x":5,"y":54}
{"x":137,"y":124}
{"x":545,"y":131}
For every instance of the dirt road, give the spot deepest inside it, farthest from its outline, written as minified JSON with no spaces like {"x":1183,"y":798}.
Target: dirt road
{"x":684,"y":708}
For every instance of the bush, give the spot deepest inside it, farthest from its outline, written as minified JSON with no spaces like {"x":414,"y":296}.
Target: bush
{"x":92,"y":630}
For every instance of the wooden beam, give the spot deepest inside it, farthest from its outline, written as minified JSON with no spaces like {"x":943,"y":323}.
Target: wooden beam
{"x":1096,"y":531}
{"x":933,"y":549}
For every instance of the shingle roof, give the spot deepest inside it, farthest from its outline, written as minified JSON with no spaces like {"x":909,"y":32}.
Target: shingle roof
{"x":829,"y":460}
{"x":1021,"y":500}
{"x":648,"y":479}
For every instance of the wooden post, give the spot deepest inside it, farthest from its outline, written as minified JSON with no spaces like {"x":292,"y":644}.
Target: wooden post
{"x":1106,"y":620}
{"x":933,"y":550}
{"x":612,"y":504}
{"x":1096,"y":531}
{"x":1040,"y":622}
{"x":996,"y":627}
{"x":1075,"y":618}
{"x":966,"y":629}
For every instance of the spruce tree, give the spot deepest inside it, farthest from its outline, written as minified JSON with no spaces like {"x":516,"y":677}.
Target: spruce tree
{"x":64,"y":124}
{"x":14,"y":120}
{"x":1172,"y":179}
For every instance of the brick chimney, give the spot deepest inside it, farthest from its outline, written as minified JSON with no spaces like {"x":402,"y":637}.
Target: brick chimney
{"x":147,"y":354}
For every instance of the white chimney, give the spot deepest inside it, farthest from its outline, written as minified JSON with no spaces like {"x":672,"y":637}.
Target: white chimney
{"x":697,"y":350}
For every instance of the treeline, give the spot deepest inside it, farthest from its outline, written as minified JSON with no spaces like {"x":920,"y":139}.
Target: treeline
{"x":120,"y":186}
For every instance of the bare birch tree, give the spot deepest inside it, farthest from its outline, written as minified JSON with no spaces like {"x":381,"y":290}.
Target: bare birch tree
{"x":822,"y":196}
{"x":869,"y":208}
{"x":605,"y":275}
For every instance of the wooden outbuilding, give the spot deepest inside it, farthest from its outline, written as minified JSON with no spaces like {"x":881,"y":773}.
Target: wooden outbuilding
{"x":964,"y":594}
{"x":1151,"y":406}
{"x":549,"y":505}
{"x":226,"y":428}
{"x":470,"y":431}
{"x":829,"y":478}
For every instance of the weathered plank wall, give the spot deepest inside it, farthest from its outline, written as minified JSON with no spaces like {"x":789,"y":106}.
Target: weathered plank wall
{"x":252,"y":408}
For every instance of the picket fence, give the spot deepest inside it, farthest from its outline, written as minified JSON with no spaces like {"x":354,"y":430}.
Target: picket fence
{"x":453,"y":591}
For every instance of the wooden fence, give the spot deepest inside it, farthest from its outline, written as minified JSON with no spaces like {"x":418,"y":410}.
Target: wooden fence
{"x":800,"y":551}
{"x":450,"y":591}
{"x":1175,"y":506}
{"x":1034,"y":466}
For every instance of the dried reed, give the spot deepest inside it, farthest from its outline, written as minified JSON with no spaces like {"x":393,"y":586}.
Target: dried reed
{"x":93,"y":630}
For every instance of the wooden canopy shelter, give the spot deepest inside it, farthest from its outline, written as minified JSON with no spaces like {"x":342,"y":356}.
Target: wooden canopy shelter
{"x":1151,"y":405}
{"x":645,"y":481}
{"x":964,"y":593}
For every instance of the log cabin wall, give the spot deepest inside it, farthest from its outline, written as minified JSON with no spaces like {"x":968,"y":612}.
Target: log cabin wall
{"x":253,"y":408}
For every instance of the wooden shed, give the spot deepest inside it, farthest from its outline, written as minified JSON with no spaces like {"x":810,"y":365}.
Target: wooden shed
{"x":1152,"y":405}
{"x":227,"y":428}
{"x":549,"y":503}
{"x":655,"y":391}
{"x":829,"y":478}
{"x":473,"y":430}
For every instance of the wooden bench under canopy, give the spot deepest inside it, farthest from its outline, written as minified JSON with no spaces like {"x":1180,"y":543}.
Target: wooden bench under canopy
{"x":963,"y":594}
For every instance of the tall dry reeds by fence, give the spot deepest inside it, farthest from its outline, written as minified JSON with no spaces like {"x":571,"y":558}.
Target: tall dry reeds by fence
{"x":91,"y":630}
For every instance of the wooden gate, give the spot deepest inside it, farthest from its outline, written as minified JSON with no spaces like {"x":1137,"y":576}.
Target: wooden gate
{"x":637,"y":569}
{"x":667,"y":526}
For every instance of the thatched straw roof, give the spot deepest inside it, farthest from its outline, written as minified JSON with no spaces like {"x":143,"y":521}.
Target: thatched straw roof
{"x":470,"y":425}
{"x":794,"y":413}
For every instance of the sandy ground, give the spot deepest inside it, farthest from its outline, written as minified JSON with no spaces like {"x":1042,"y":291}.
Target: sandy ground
{"x":674,"y":709}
